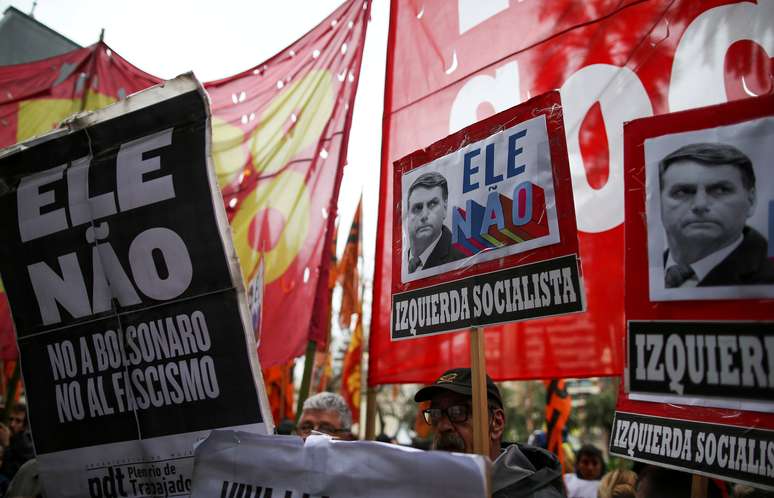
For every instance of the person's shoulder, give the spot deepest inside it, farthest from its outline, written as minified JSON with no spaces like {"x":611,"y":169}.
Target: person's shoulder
{"x":444,"y":251}
{"x":26,"y":482}
{"x":522,"y":471}
{"x":530,"y":457}
{"x":539,"y":457}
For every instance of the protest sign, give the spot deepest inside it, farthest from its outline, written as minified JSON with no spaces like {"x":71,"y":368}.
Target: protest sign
{"x":236,"y":464}
{"x":486,"y":230}
{"x":132,"y":324}
{"x":716,"y":450}
{"x":700,"y":327}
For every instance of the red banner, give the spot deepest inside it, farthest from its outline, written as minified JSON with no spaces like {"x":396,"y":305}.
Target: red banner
{"x":280,"y":134}
{"x":279,"y":389}
{"x":450,"y":65}
{"x":348,"y":274}
{"x":352,"y":304}
{"x":279,"y":142}
{"x":36,"y":97}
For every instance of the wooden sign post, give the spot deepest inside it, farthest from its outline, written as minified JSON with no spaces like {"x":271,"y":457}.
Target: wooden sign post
{"x":699,"y":486}
{"x":478,"y":383}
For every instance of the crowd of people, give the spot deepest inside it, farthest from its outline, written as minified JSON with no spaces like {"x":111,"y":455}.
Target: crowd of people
{"x":519,"y":470}
{"x":16,"y":450}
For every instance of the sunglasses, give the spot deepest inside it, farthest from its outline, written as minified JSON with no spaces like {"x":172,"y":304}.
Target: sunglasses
{"x":456,"y":414}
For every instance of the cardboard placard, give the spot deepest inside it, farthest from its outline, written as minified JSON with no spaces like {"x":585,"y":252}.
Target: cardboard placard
{"x":132,"y":324}
{"x":486,"y":230}
{"x":700,"y":276}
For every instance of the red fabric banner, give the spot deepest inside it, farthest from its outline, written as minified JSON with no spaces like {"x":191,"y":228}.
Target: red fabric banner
{"x":36,"y":97}
{"x":279,"y":142}
{"x":279,"y":389}
{"x":348,"y":274}
{"x":280,"y":133}
{"x":8,"y":349}
{"x":450,"y":65}
{"x":352,"y":304}
{"x":351,"y":369}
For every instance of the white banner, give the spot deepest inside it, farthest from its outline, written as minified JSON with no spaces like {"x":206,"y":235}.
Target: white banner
{"x":240,"y":464}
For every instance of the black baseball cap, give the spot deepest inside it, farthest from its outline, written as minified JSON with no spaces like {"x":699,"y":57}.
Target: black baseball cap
{"x":457,"y":380}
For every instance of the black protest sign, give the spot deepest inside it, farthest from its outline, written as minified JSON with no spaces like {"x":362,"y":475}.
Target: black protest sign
{"x":157,"y":372}
{"x":550,"y":287}
{"x":109,"y":217}
{"x":742,"y":454}
{"x":732,"y":360}
{"x":117,"y":271}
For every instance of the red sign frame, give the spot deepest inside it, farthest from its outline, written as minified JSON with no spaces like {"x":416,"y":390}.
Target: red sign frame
{"x":705,"y":415}
{"x":547,"y":105}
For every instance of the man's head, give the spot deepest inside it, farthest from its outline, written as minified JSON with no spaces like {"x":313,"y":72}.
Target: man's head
{"x":325,"y":412}
{"x":17,"y":420}
{"x":427,"y":198}
{"x":450,"y":413}
{"x":707,"y":194}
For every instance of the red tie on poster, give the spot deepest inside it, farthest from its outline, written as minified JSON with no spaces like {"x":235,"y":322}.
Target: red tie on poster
{"x":450,"y":65}
{"x":279,"y":142}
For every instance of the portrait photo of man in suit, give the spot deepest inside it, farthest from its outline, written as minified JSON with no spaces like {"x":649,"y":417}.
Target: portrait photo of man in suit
{"x":429,"y":239}
{"x":707,"y":194}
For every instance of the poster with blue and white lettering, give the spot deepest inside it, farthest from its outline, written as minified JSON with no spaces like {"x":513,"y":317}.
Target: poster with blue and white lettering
{"x":134,"y":333}
{"x":485,"y":225}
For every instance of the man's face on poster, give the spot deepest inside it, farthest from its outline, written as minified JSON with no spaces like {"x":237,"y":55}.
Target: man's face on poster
{"x":703,"y":207}
{"x":426,"y":213}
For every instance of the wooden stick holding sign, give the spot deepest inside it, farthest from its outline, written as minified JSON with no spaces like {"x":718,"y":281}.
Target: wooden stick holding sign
{"x":699,"y":486}
{"x":478,"y":384}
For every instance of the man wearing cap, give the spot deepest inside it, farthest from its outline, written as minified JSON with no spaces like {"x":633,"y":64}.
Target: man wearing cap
{"x":518,"y":470}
